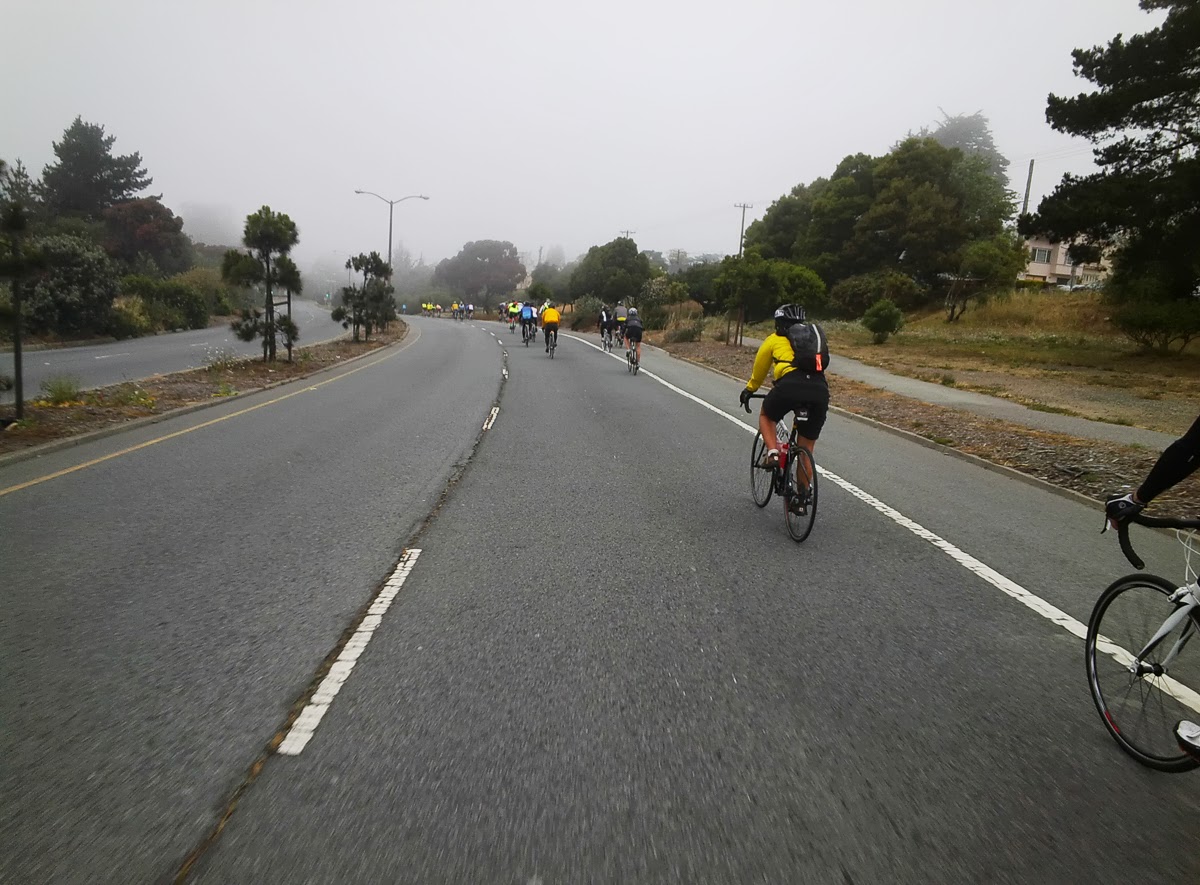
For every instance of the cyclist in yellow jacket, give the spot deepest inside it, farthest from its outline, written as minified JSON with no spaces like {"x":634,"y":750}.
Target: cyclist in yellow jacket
{"x":797,"y":355}
{"x":550,"y":320}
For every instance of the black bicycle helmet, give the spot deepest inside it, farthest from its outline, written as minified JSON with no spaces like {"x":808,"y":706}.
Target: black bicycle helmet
{"x":787,"y":315}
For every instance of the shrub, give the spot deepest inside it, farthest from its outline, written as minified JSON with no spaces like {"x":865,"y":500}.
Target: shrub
{"x":61,"y":389}
{"x":76,"y":292}
{"x":585,"y":313}
{"x":854,"y":295}
{"x":129,"y":318}
{"x":221,"y":298}
{"x":171,"y":304}
{"x":882,"y":319}
{"x":1159,"y":324}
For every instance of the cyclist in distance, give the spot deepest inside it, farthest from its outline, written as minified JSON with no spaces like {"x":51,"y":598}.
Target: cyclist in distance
{"x":528,"y":320}
{"x":633,"y":333}
{"x":514,"y":313}
{"x":1177,"y":462}
{"x":799,"y":378}
{"x":606,"y":321}
{"x":550,"y":319}
{"x":621,"y":315}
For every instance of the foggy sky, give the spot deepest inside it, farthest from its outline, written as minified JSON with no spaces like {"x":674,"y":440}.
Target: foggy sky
{"x":533,"y":121}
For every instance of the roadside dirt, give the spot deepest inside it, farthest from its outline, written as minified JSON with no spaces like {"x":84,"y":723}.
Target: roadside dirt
{"x":1116,"y":394}
{"x":107,"y":406}
{"x":1091,"y":467}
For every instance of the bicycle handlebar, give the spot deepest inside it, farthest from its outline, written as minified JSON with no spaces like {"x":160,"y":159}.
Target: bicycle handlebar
{"x":746,"y":405}
{"x":1153,"y":522}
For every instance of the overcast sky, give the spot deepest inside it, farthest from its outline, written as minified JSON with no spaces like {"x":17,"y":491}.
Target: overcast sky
{"x":542,"y":122}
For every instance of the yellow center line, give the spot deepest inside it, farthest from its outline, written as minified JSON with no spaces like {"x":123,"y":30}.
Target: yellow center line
{"x":153,"y":442}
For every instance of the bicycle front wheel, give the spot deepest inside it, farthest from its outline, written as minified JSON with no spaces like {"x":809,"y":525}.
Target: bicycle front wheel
{"x":1140,"y":691}
{"x":762,"y":479}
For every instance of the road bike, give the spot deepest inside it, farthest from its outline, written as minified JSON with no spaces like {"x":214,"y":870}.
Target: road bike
{"x":1141,"y":681}
{"x":607,"y":340}
{"x":793,"y":477}
{"x":631,"y":358}
{"x":528,"y":333}
{"x":553,"y":342}
{"x":512,"y":325}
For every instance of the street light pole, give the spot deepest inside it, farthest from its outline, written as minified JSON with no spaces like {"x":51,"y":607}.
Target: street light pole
{"x":391,"y":207}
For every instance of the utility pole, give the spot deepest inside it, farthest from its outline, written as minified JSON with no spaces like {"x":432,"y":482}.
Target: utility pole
{"x":1028,"y":185}
{"x":741,"y":239}
{"x":539,"y":256}
{"x":627,"y":233}
{"x":742,"y":233}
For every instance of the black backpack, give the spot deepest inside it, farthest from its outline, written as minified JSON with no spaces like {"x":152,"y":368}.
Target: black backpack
{"x":810,"y":348}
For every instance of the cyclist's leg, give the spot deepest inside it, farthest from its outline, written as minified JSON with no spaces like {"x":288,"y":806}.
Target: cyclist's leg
{"x":808,"y":431}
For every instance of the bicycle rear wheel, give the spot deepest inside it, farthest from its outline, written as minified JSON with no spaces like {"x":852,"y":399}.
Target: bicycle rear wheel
{"x":800,"y":510}
{"x":762,"y":479}
{"x":1141,"y":700}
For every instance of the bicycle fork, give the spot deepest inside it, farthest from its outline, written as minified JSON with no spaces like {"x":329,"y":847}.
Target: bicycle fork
{"x":1187,"y":600}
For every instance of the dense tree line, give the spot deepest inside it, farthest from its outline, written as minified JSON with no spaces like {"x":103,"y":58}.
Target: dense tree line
{"x":117,"y":262}
{"x":1142,"y":208}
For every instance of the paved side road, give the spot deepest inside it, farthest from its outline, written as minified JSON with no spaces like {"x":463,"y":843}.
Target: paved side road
{"x":102,"y":364}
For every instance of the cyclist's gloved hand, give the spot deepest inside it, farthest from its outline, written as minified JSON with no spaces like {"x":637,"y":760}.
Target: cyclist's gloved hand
{"x":1119,"y":508}
{"x":744,"y":396}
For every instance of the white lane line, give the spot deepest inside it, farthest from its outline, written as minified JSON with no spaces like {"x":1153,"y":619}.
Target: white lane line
{"x":108,"y":356}
{"x":491,"y":419}
{"x":1050,"y":612}
{"x":504,"y":374}
{"x":310,"y":717}
{"x":201,"y":344}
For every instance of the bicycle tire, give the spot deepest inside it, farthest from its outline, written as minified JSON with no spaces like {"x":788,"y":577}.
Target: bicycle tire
{"x":800,"y":525}
{"x":1127,"y":701}
{"x":760,"y":477}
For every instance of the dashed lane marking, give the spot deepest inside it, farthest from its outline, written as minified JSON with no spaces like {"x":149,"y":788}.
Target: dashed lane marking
{"x":491,"y":418}
{"x":1047,"y":610}
{"x":314,"y":711}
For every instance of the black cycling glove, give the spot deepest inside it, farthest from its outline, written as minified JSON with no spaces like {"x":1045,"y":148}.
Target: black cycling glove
{"x":744,"y":396}
{"x":1120,"y":507}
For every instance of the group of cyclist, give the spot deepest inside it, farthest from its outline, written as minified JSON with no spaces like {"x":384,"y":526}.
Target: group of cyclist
{"x":529,"y":316}
{"x":625,"y":327}
{"x":459,"y":310}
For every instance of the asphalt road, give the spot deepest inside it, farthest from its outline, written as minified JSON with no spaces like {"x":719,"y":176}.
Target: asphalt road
{"x":99,"y":365}
{"x":606,"y":664}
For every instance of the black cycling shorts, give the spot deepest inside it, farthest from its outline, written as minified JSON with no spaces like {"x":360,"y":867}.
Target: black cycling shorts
{"x":803,"y":391}
{"x":633,"y":333}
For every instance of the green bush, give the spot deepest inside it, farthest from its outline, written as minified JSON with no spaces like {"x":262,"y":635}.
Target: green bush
{"x":76,"y":292}
{"x":171,"y":304}
{"x":129,"y":318}
{"x":882,"y":319}
{"x":1156,"y":325}
{"x":586,"y":312}
{"x":854,"y":295}
{"x":221,"y":298}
